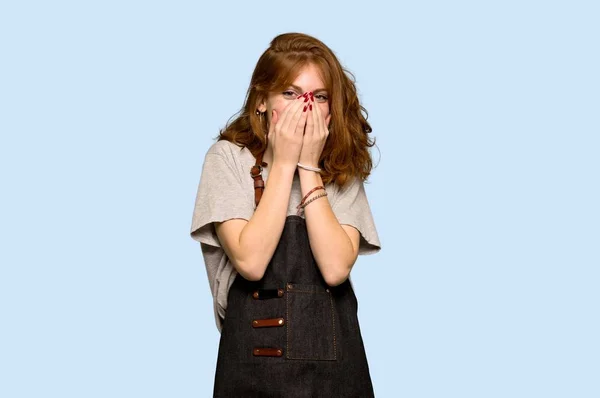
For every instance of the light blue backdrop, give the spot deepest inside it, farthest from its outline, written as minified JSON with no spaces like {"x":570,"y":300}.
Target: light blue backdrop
{"x":485,"y":194}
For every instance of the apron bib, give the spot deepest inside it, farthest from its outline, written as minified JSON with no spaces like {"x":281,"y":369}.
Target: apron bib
{"x":290,"y":334}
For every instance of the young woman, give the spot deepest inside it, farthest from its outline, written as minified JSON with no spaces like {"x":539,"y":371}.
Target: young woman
{"x":281,"y":214}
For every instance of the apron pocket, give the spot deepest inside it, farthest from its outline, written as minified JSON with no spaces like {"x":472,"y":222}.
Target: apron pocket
{"x":310,"y":323}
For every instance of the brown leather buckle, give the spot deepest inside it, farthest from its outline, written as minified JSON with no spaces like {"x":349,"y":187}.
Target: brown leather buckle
{"x":256,"y":170}
{"x":262,"y":294}
{"x":269,"y":322}
{"x":267,"y":352}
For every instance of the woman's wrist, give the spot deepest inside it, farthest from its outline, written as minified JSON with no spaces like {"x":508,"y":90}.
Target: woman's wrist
{"x":284,"y":166}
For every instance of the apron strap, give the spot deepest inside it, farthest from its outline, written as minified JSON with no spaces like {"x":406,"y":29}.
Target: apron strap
{"x":256,"y":173}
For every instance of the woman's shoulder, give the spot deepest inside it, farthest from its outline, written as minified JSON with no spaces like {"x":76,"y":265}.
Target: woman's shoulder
{"x":349,"y":184}
{"x":237,"y":157}
{"x":226,"y":148}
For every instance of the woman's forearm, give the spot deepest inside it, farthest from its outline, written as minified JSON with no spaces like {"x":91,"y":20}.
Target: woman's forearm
{"x":331,"y":246}
{"x":260,"y":236}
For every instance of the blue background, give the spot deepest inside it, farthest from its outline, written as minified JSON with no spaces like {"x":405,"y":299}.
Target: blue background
{"x":485,"y":194}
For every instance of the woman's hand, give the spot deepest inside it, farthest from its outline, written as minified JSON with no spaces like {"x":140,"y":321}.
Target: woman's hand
{"x":315,"y":135}
{"x":285,"y":132}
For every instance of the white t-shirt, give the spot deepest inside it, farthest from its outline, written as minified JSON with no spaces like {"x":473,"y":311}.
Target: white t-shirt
{"x":226,"y":191}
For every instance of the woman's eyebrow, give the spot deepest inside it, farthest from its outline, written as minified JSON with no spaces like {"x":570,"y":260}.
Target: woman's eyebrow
{"x":300,"y":89}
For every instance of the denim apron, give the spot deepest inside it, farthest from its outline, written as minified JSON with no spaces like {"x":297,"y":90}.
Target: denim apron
{"x":290,"y":334}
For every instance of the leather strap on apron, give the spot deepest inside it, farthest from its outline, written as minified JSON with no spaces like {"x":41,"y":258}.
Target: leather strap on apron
{"x":256,"y":173}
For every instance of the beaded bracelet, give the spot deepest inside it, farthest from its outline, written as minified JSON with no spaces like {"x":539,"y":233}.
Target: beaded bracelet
{"x":301,"y":208}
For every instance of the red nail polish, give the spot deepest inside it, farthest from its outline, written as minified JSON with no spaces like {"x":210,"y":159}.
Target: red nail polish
{"x":305,"y":106}
{"x":311,"y":107}
{"x":306,"y":99}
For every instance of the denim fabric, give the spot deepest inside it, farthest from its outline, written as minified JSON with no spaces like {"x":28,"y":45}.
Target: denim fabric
{"x":322,"y":348}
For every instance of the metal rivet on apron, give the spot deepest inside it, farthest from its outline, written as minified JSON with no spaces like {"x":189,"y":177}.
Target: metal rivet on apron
{"x":261,"y":294}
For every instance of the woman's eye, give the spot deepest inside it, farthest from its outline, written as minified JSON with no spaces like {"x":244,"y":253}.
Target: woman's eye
{"x":289,"y":93}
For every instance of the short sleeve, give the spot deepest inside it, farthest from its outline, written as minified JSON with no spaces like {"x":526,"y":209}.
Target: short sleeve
{"x":351,"y":207}
{"x":221,"y":196}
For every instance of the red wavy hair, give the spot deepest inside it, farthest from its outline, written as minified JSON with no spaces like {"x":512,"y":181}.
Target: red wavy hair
{"x":346,"y":152}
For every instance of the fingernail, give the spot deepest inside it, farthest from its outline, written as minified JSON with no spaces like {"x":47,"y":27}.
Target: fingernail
{"x":311,"y":107}
{"x":305,"y":106}
{"x":306,"y":98}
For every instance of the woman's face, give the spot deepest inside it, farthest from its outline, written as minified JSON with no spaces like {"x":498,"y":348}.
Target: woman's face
{"x":308,"y":80}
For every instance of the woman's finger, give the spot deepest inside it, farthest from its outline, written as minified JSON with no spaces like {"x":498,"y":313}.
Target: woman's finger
{"x":320,"y":122}
{"x":294,"y":115}
{"x":303,"y":117}
{"x":327,"y":125}
{"x":310,"y":122}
